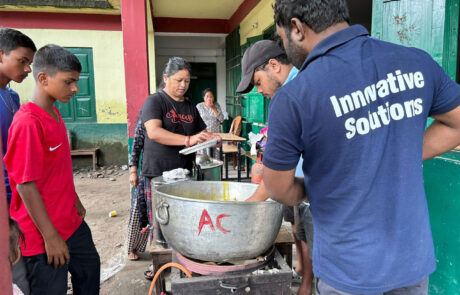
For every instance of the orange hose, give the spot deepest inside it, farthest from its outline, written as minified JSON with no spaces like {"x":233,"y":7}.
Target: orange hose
{"x":170,"y":264}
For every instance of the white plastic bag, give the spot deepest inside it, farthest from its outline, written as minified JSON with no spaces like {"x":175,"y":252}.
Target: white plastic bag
{"x":178,"y":173}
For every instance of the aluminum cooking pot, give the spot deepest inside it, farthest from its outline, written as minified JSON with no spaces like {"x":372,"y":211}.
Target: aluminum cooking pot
{"x":209,"y":220}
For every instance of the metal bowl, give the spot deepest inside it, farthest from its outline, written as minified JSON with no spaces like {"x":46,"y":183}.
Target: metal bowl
{"x":203,"y":159}
{"x":209,"y":220}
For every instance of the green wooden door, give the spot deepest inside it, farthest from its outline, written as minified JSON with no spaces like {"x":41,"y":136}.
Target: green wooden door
{"x":270,"y":33}
{"x":432,"y":25}
{"x":203,"y":76}
{"x":233,"y":69}
{"x":82,"y":107}
{"x":254,"y":102}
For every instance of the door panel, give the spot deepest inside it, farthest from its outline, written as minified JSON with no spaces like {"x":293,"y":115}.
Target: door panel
{"x":82,"y":107}
{"x":422,"y":24}
{"x":432,"y":25}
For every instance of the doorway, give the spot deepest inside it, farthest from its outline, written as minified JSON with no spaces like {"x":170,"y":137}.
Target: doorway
{"x":203,"y":76}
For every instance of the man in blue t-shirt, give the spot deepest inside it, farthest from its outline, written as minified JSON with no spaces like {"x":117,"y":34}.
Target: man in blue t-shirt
{"x":16,"y":54}
{"x":357,"y":112}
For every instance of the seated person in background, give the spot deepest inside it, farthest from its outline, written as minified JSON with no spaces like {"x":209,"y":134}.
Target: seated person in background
{"x":212,"y":115}
{"x":210,"y":111}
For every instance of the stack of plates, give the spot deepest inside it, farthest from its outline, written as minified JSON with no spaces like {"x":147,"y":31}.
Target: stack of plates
{"x":198,"y":147}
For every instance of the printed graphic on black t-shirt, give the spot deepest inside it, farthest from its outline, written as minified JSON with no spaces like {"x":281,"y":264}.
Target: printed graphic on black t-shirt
{"x":176,"y":117}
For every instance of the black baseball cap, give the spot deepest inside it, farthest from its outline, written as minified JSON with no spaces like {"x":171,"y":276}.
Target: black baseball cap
{"x":256,"y":55}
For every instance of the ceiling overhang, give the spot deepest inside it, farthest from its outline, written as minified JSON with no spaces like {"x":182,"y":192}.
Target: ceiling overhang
{"x":201,"y":25}
{"x":207,"y":18}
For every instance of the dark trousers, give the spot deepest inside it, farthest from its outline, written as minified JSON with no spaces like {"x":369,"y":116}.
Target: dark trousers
{"x":84,"y":266}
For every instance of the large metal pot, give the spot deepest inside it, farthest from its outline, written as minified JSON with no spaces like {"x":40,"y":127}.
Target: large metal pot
{"x":209,"y":220}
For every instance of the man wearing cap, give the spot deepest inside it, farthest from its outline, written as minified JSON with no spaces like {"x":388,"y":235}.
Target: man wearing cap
{"x":266,"y":66}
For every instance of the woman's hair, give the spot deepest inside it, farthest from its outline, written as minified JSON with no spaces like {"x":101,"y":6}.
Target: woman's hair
{"x":16,"y":236}
{"x":206,"y":91}
{"x":176,"y":64}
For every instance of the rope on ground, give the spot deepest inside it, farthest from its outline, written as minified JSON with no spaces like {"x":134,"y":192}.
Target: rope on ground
{"x":170,"y":264}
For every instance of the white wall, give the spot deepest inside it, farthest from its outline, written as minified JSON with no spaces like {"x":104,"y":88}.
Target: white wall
{"x":209,"y":48}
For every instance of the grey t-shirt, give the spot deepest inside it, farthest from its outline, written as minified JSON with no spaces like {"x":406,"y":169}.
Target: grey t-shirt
{"x":212,"y":120}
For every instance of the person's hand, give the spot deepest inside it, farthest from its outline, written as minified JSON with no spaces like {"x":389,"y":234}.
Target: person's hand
{"x":80,"y":208}
{"x":200,"y":137}
{"x":252,"y":198}
{"x":219,"y":140}
{"x":56,"y":251}
{"x":133,"y":179}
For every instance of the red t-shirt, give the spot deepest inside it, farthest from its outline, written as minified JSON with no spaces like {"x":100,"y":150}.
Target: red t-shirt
{"x":39,"y":151}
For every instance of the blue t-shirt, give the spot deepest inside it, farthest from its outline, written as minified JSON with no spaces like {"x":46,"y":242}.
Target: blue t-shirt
{"x":292,"y":74}
{"x":356,"y":112}
{"x":9,"y":105}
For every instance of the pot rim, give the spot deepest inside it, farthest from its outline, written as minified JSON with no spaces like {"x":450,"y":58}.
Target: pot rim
{"x":213,"y":164}
{"x":268,"y":201}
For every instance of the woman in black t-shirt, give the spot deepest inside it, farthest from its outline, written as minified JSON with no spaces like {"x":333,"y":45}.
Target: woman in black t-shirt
{"x":171,"y":123}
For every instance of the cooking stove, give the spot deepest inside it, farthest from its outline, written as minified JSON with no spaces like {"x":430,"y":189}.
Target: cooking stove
{"x":268,"y":274}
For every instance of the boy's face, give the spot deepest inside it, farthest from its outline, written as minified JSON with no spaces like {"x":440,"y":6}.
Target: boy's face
{"x":16,"y":64}
{"x":62,"y":86}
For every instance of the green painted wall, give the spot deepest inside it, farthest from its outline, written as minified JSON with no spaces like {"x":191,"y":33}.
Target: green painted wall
{"x":111,"y":139}
{"x":442,"y":185}
{"x":432,"y":26}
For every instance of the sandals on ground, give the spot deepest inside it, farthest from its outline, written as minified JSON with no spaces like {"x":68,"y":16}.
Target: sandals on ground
{"x":296,"y":277}
{"x":133,"y":256}
{"x":149,"y":273}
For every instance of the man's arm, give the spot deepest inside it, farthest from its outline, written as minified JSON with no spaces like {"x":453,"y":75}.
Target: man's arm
{"x":442,"y":135}
{"x":259,"y":195}
{"x":283,"y":187}
{"x":156,"y":132}
{"x":55,"y":247}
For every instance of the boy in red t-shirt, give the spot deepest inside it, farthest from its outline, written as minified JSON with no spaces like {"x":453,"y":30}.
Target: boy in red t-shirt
{"x":44,"y":201}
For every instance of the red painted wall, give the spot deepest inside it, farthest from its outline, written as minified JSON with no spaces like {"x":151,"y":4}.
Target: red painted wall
{"x":212,"y":26}
{"x":242,"y":11}
{"x":134,"y":26}
{"x":190,"y":25}
{"x":68,"y":21}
